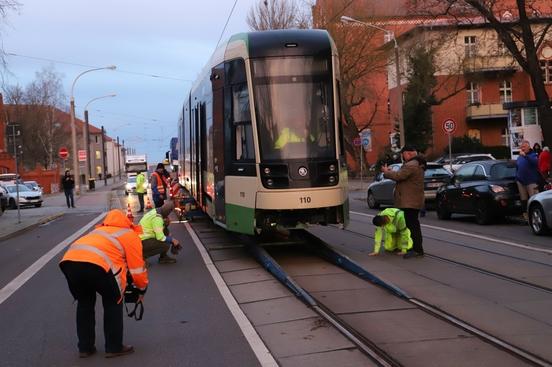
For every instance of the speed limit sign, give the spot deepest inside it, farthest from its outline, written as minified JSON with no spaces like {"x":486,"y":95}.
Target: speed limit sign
{"x":449,"y":126}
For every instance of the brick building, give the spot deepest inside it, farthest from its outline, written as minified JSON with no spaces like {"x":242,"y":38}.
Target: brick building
{"x":471,"y":64}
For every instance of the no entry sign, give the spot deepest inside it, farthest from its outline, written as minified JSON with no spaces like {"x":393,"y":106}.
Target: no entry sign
{"x":63,"y":153}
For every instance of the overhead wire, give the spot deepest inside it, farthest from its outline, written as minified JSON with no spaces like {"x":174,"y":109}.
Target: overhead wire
{"x":226,"y":24}
{"x":96,"y":66}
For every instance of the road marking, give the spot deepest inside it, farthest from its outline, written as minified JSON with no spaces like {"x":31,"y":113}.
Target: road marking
{"x":258,"y":346}
{"x":28,"y":273}
{"x":480,"y":237}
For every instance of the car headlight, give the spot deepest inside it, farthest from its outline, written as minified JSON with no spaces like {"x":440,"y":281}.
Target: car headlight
{"x":497,"y":188}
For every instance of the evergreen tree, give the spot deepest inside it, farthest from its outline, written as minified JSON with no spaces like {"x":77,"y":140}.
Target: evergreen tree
{"x":419,"y":99}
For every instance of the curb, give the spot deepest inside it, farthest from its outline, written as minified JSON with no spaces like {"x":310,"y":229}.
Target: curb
{"x":31,"y":226}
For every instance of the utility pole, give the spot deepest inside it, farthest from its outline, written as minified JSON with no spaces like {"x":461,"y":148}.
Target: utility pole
{"x":86,"y":143}
{"x":104,"y":156}
{"x":119,"y":157}
{"x":15,"y":153}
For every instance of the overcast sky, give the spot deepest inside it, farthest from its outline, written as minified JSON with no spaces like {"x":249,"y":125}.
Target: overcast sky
{"x":169,"y":38}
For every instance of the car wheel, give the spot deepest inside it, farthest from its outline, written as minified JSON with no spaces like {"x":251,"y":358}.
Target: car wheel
{"x":442,"y":212}
{"x":372,"y":203}
{"x":537,"y":220}
{"x":482,"y":213}
{"x":13,"y":205}
{"x":38,"y":205}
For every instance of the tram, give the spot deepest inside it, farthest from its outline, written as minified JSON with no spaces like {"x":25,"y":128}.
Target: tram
{"x":260,"y":139}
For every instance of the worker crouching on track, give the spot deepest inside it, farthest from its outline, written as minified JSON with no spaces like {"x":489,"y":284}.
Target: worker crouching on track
{"x":155,"y":234}
{"x":391,"y":226}
{"x":98,"y":263}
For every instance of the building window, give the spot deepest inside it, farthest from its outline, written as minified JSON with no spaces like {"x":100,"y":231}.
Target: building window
{"x":473,"y":93}
{"x":98,"y":154}
{"x":505,"y":91}
{"x":470,"y":46}
{"x":501,"y":49}
{"x":529,"y":116}
{"x":505,"y":137}
{"x":546,"y":67}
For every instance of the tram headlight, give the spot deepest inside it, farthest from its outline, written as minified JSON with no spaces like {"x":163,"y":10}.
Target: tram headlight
{"x":332,"y":179}
{"x":266,"y":171}
{"x":332,"y":167}
{"x":269,"y":182}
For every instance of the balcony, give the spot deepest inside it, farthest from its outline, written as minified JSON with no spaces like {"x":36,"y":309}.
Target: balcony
{"x":491,"y":65}
{"x":485,"y":111}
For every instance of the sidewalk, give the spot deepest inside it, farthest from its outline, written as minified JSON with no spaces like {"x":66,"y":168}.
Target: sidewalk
{"x":54,"y":206}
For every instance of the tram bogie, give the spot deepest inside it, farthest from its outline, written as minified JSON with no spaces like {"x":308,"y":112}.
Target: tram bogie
{"x":261,"y":144}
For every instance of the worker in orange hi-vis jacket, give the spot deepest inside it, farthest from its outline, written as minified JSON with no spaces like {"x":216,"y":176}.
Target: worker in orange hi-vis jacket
{"x":98,"y":263}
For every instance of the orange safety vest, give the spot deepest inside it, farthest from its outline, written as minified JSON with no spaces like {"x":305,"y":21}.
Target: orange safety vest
{"x":160,"y":182}
{"x":114,"y":245}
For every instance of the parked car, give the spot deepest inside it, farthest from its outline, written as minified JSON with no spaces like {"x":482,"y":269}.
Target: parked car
{"x":540,"y":212}
{"x":486,"y":189}
{"x":380,"y":192}
{"x":130,"y":186}
{"x":33,"y":185}
{"x":467,"y":158}
{"x":27,"y":196}
{"x":3,"y":199}
{"x":8,"y":178}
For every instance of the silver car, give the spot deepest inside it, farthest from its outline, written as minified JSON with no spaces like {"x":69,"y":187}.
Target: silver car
{"x":540,"y":212}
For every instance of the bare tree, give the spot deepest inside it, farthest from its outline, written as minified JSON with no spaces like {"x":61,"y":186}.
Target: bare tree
{"x":522,"y":29}
{"x":5,"y":7}
{"x":35,"y":109}
{"x":278,"y":14}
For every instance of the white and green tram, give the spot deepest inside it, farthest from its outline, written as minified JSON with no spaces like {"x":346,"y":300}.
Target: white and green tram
{"x":261,"y":143}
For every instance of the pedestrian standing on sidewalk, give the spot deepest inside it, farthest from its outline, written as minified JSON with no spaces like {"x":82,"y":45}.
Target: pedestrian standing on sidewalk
{"x":141,"y":187}
{"x":545,"y":165}
{"x":409,"y":194}
{"x":527,"y":174}
{"x":98,"y":263}
{"x":68,"y":185}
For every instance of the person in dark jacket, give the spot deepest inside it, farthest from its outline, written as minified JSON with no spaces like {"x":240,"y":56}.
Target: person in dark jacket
{"x":68,"y":185}
{"x":527,"y":175}
{"x":409,"y":194}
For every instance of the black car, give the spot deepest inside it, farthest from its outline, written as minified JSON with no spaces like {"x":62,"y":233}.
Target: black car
{"x":486,"y":189}
{"x":380,"y":192}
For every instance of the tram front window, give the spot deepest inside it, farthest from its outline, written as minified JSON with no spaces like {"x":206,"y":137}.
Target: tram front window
{"x":293,"y":106}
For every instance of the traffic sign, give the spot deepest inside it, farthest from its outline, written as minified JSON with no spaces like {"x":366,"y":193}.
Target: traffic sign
{"x":449,"y":126}
{"x":63,"y":153}
{"x":357,"y":141}
{"x":82,"y":155}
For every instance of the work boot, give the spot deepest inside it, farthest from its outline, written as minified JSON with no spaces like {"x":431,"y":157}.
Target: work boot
{"x":411,"y":254}
{"x":127,"y":349}
{"x":166,"y":260}
{"x":88,"y":353}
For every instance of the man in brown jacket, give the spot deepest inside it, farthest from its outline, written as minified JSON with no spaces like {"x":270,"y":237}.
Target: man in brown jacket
{"x":409,"y":194}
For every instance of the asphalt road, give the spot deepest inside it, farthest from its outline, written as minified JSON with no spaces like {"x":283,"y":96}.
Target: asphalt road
{"x":186,"y":322}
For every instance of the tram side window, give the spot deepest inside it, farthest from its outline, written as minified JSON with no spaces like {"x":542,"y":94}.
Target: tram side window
{"x":241,"y":114}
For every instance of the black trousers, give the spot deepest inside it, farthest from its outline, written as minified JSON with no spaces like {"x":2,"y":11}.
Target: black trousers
{"x":85,"y":280}
{"x":69,"y":198}
{"x":411,"y":217}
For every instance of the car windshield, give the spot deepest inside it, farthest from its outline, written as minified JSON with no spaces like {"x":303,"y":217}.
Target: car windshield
{"x":32,"y":185}
{"x":503,"y":171}
{"x":472,"y":159}
{"x":131,"y":179}
{"x":13,"y":188}
{"x":436,"y":171}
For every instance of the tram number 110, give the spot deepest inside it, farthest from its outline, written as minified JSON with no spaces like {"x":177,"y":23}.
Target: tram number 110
{"x":305,"y":200}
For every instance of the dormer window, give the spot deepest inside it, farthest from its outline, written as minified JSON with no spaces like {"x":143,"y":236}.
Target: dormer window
{"x":470,"y":46}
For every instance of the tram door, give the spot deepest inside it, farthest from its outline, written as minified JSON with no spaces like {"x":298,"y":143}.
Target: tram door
{"x":217,"y":83}
{"x":202,"y":164}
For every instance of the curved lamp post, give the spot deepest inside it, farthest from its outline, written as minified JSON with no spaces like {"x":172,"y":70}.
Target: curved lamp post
{"x":86,"y":137}
{"x":391,"y":35}
{"x":73,"y":128}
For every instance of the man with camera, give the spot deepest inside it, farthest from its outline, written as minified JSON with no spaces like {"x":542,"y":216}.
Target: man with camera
{"x":98,"y":263}
{"x":155,"y":237}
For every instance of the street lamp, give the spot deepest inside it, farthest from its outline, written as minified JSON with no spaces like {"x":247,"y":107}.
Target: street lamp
{"x":86,"y":137}
{"x":390,"y":34}
{"x":73,"y":128}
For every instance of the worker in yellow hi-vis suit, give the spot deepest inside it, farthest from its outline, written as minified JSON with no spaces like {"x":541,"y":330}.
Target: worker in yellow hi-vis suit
{"x":391,"y":227}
